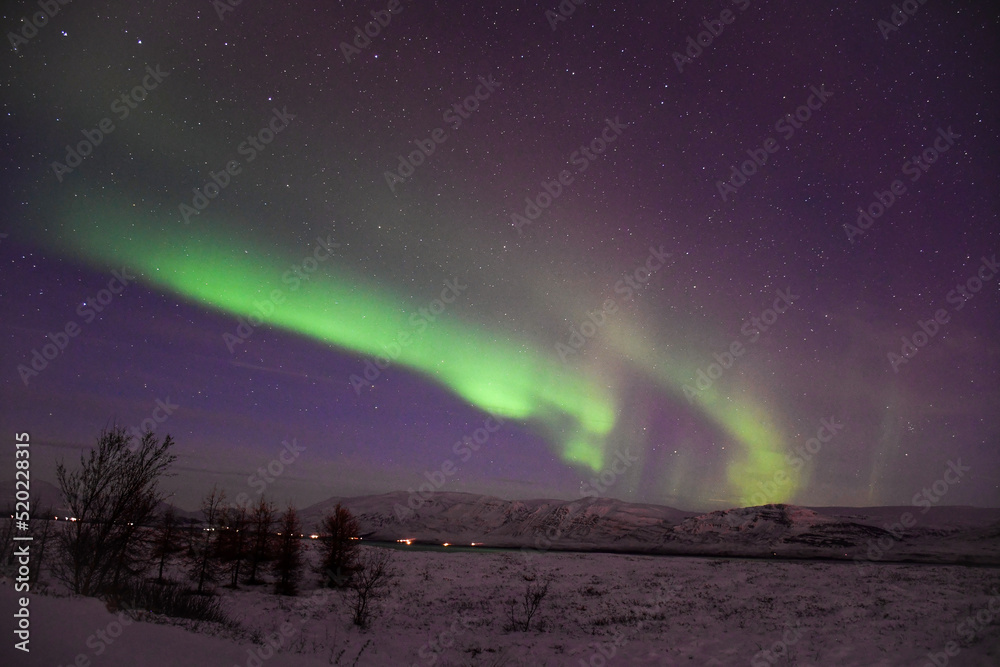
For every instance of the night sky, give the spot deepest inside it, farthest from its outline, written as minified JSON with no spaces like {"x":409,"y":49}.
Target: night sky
{"x":587,"y":244}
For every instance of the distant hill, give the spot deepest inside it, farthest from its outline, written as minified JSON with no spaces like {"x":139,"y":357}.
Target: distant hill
{"x":943,"y":534}
{"x":44,"y":495}
{"x":953,"y":534}
{"x":49,"y":497}
{"x":466,"y":517}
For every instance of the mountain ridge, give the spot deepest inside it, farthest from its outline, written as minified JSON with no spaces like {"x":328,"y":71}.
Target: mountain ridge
{"x":942,"y":534}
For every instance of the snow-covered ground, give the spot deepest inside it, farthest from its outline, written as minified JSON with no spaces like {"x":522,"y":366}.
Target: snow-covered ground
{"x":449,"y":608}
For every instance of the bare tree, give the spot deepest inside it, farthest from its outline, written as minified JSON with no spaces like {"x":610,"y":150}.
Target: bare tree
{"x":204,"y":563}
{"x":233,"y":542}
{"x":113,"y":494}
{"x":261,"y":538}
{"x":370,"y":584}
{"x":40,"y":537}
{"x":288,"y":564}
{"x":339,"y":532}
{"x":166,"y":540}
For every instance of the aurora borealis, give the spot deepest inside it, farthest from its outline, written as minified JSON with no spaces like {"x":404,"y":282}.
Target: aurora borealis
{"x":480,"y":213}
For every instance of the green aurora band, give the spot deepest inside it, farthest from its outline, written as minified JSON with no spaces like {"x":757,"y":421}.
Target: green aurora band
{"x":743,"y":420}
{"x":511,"y":380}
{"x":508,"y":380}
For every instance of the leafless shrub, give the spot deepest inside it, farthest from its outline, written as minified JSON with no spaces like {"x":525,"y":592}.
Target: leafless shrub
{"x":112,"y":496}
{"x":370,"y":583}
{"x":521,"y":611}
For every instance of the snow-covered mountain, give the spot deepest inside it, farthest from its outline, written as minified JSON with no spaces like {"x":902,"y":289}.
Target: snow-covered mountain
{"x":942,"y":534}
{"x":465,"y":517}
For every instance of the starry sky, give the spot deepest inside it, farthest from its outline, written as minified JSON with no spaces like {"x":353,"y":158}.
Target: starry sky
{"x":688,"y":253}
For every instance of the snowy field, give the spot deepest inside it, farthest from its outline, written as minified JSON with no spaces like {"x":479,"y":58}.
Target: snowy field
{"x":601,"y":609}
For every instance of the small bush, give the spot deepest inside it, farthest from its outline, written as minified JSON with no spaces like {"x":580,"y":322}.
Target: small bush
{"x":520,"y":612}
{"x":370,"y":584}
{"x":167,"y":600}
